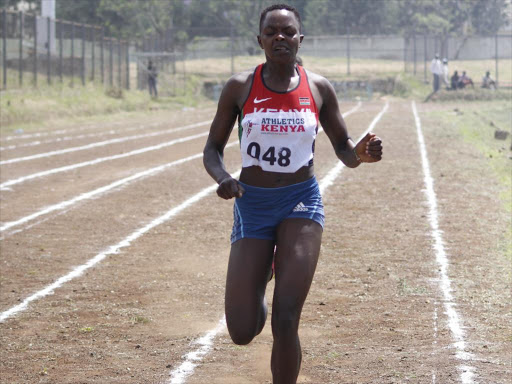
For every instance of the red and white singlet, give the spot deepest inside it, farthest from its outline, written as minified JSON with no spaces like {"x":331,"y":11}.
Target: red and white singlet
{"x":277,"y":130}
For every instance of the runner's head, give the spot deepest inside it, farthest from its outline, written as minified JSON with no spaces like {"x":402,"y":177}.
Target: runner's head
{"x":277,"y":7}
{"x":280,"y":35}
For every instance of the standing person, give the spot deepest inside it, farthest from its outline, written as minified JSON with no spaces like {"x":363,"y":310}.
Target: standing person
{"x":437,"y":71}
{"x":152,"y":75}
{"x":446,"y":73}
{"x":278,"y":204}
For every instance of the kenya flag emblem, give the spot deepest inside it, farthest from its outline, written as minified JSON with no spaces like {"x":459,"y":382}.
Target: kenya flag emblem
{"x":304,"y":101}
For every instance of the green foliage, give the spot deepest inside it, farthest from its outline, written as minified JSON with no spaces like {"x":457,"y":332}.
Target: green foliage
{"x":131,"y":19}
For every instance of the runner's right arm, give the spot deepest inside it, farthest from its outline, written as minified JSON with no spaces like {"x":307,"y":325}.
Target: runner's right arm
{"x":220,"y":130}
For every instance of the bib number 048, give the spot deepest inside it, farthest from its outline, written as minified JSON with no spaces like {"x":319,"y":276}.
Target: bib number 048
{"x":282,"y":158}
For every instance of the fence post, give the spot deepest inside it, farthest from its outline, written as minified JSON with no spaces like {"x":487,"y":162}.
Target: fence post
{"x":128,"y":65}
{"x":34,"y":28}
{"x":111,"y":62}
{"x":72,"y":53}
{"x":119,"y":62}
{"x":48,"y":57}
{"x":496,"y":53}
{"x":20,"y":65}
{"x":348,"y":50}
{"x":83,"y":55}
{"x":4,"y":47}
{"x":60,"y":49}
{"x":405,"y":54}
{"x":93,"y":58}
{"x":425,"y":58}
{"x":414,"y":48}
{"x":102,"y":55}
{"x":232,"y":47}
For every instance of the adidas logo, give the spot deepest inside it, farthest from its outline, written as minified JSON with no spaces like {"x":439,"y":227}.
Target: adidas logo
{"x":300,"y":208}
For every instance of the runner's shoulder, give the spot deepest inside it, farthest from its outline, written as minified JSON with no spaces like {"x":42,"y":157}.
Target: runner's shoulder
{"x":240,"y":81}
{"x":321,"y":88}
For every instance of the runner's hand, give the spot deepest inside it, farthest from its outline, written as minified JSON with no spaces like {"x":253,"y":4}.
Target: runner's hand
{"x":229,"y":188}
{"x":369,"y":149}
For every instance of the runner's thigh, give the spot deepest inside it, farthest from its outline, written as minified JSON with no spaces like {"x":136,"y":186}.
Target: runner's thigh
{"x":298,"y":247}
{"x":249,"y":266}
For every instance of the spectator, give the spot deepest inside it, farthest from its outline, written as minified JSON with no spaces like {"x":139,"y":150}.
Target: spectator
{"x":465,"y":80}
{"x":152,"y":75}
{"x":446,"y":73}
{"x":488,"y":82}
{"x":454,"y":81}
{"x":437,"y":71}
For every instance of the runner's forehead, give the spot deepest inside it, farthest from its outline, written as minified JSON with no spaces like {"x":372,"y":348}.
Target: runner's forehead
{"x":280,"y":18}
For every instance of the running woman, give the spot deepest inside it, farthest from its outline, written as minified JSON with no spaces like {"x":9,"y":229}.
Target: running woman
{"x":278,"y":204}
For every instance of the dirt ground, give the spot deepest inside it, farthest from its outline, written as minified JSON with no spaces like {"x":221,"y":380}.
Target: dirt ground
{"x":375,"y":313}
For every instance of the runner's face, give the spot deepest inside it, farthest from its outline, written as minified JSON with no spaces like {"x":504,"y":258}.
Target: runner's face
{"x":280,"y":36}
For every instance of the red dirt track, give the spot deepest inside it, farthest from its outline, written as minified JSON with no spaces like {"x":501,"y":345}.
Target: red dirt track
{"x":375,"y":312}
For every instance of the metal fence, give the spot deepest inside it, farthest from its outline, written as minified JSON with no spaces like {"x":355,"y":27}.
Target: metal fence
{"x":36,"y":50}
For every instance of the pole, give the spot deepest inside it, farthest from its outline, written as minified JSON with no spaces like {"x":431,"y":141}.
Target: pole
{"x":34,"y":28}
{"x":4,"y":47}
{"x":48,"y":56}
{"x":119,"y":62}
{"x":83,"y":55}
{"x":93,"y":58}
{"x":127,"y":65}
{"x":414,"y":48}
{"x":20,"y":65}
{"x":60,"y":50}
{"x":72,"y":53}
{"x":496,"y":54}
{"x":425,"y":58}
{"x":405,"y":54}
{"x":111,"y":62}
{"x":348,"y":50}
{"x":102,"y":56}
{"x":232,"y":47}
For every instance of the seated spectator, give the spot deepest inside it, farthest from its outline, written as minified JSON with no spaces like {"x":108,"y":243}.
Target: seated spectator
{"x":488,"y":82}
{"x":454,"y":81}
{"x":465,"y":80}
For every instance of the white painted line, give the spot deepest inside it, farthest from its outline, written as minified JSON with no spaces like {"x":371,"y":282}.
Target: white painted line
{"x":103,"y":143}
{"x":454,"y":323}
{"x":9,"y":183}
{"x":100,"y":191}
{"x":186,"y":369}
{"x":82,"y":136}
{"x":333,"y":173}
{"x":192,"y":359}
{"x":57,"y":132}
{"x":126,"y":242}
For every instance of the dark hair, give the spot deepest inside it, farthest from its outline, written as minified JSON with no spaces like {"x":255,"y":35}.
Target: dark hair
{"x":277,"y":7}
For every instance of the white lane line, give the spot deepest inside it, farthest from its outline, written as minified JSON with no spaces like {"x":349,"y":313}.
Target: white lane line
{"x":78,"y":129}
{"x":103,"y":143}
{"x":57,"y":132}
{"x":100,"y":191}
{"x":86,"y":136}
{"x":113,"y":249}
{"x":192,"y":359}
{"x":5,"y":185}
{"x":454,"y":323}
{"x":333,"y":173}
{"x":186,"y":369}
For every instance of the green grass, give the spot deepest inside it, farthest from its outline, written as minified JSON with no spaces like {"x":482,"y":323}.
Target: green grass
{"x":28,"y":108}
{"x":475,"y":127}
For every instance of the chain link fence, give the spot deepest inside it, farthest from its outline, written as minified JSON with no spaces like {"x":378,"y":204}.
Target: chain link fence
{"x":37,"y":50}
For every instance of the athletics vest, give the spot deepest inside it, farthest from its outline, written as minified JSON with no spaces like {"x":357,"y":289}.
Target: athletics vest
{"x":277,"y":130}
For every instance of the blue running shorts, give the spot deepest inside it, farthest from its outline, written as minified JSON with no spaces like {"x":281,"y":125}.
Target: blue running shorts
{"x":259,"y":211}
